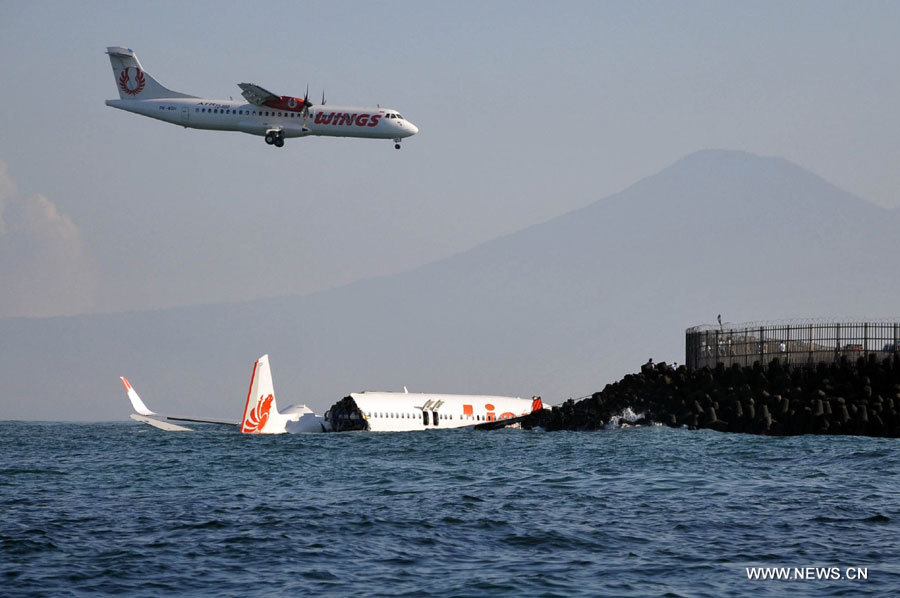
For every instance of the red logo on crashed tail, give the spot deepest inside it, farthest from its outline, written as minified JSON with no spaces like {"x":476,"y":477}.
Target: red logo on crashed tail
{"x":258,"y":416}
{"x":129,"y":86}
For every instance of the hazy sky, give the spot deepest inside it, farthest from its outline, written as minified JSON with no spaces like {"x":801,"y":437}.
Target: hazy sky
{"x":525,"y":111}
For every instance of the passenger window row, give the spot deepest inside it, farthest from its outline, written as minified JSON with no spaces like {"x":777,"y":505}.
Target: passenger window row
{"x":248,"y":112}
{"x":395,"y":415}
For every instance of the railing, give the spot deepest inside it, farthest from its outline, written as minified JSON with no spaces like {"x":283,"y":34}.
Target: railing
{"x":804,"y":343}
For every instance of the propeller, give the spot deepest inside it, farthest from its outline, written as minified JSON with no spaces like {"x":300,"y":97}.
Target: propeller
{"x":306,"y":105}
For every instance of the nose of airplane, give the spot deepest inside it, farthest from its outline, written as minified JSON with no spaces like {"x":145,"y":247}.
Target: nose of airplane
{"x":413,"y":128}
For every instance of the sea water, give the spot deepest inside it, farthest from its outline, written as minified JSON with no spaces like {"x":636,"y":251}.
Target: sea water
{"x":123,"y":508}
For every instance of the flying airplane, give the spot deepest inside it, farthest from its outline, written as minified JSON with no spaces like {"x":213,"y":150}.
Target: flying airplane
{"x":271,"y":116}
{"x":371,"y":411}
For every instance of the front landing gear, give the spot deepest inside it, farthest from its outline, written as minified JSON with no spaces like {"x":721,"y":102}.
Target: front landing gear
{"x":397,"y":143}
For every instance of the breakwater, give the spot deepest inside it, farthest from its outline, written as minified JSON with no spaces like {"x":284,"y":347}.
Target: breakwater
{"x":860,"y":397}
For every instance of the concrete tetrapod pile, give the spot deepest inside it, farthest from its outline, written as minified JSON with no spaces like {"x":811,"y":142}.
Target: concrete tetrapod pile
{"x":859,"y":398}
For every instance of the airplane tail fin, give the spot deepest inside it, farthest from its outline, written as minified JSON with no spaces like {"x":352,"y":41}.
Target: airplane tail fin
{"x":132,"y":81}
{"x":136,"y":401}
{"x":261,"y":414}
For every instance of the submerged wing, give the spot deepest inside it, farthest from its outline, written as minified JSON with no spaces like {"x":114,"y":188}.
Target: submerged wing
{"x":161,"y":420}
{"x":158,"y":423}
{"x":256,"y":94}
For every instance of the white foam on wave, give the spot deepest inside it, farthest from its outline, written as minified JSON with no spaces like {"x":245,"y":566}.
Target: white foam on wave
{"x":623,"y":420}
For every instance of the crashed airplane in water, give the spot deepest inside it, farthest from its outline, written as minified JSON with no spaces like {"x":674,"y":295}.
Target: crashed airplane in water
{"x":371,"y":411}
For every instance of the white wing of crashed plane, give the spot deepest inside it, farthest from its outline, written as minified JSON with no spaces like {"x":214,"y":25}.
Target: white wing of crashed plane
{"x":163,"y":421}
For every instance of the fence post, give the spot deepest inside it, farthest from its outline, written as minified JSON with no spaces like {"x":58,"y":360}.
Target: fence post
{"x":762,"y":348}
{"x":810,"y":360}
{"x":717,"y":347}
{"x":837,"y":347}
{"x":787,"y":345}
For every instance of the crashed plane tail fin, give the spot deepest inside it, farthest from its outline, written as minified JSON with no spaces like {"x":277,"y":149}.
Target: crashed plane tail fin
{"x":261,"y":414}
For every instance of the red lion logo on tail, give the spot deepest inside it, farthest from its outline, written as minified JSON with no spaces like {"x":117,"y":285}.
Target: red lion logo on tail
{"x":258,"y":416}
{"x":138,"y":85}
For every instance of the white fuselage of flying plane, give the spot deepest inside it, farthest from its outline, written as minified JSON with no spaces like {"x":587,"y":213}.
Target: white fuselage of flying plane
{"x":271,"y":116}
{"x":230,"y":115}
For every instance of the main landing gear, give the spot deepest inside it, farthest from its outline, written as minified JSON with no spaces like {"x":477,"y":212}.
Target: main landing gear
{"x":275,"y":138}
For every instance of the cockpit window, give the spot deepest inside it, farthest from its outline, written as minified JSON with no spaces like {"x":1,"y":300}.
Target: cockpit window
{"x":398,"y":116}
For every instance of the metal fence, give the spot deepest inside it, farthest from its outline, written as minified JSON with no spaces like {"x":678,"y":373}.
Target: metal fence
{"x":804,"y":343}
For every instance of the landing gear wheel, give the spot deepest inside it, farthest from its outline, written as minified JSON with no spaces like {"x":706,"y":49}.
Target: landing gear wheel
{"x":279,"y":142}
{"x":396,"y":146}
{"x":270,"y":139}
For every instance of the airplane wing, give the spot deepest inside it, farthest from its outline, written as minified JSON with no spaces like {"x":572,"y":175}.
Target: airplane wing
{"x":256,"y":94}
{"x":158,"y":423}
{"x":161,"y":421}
